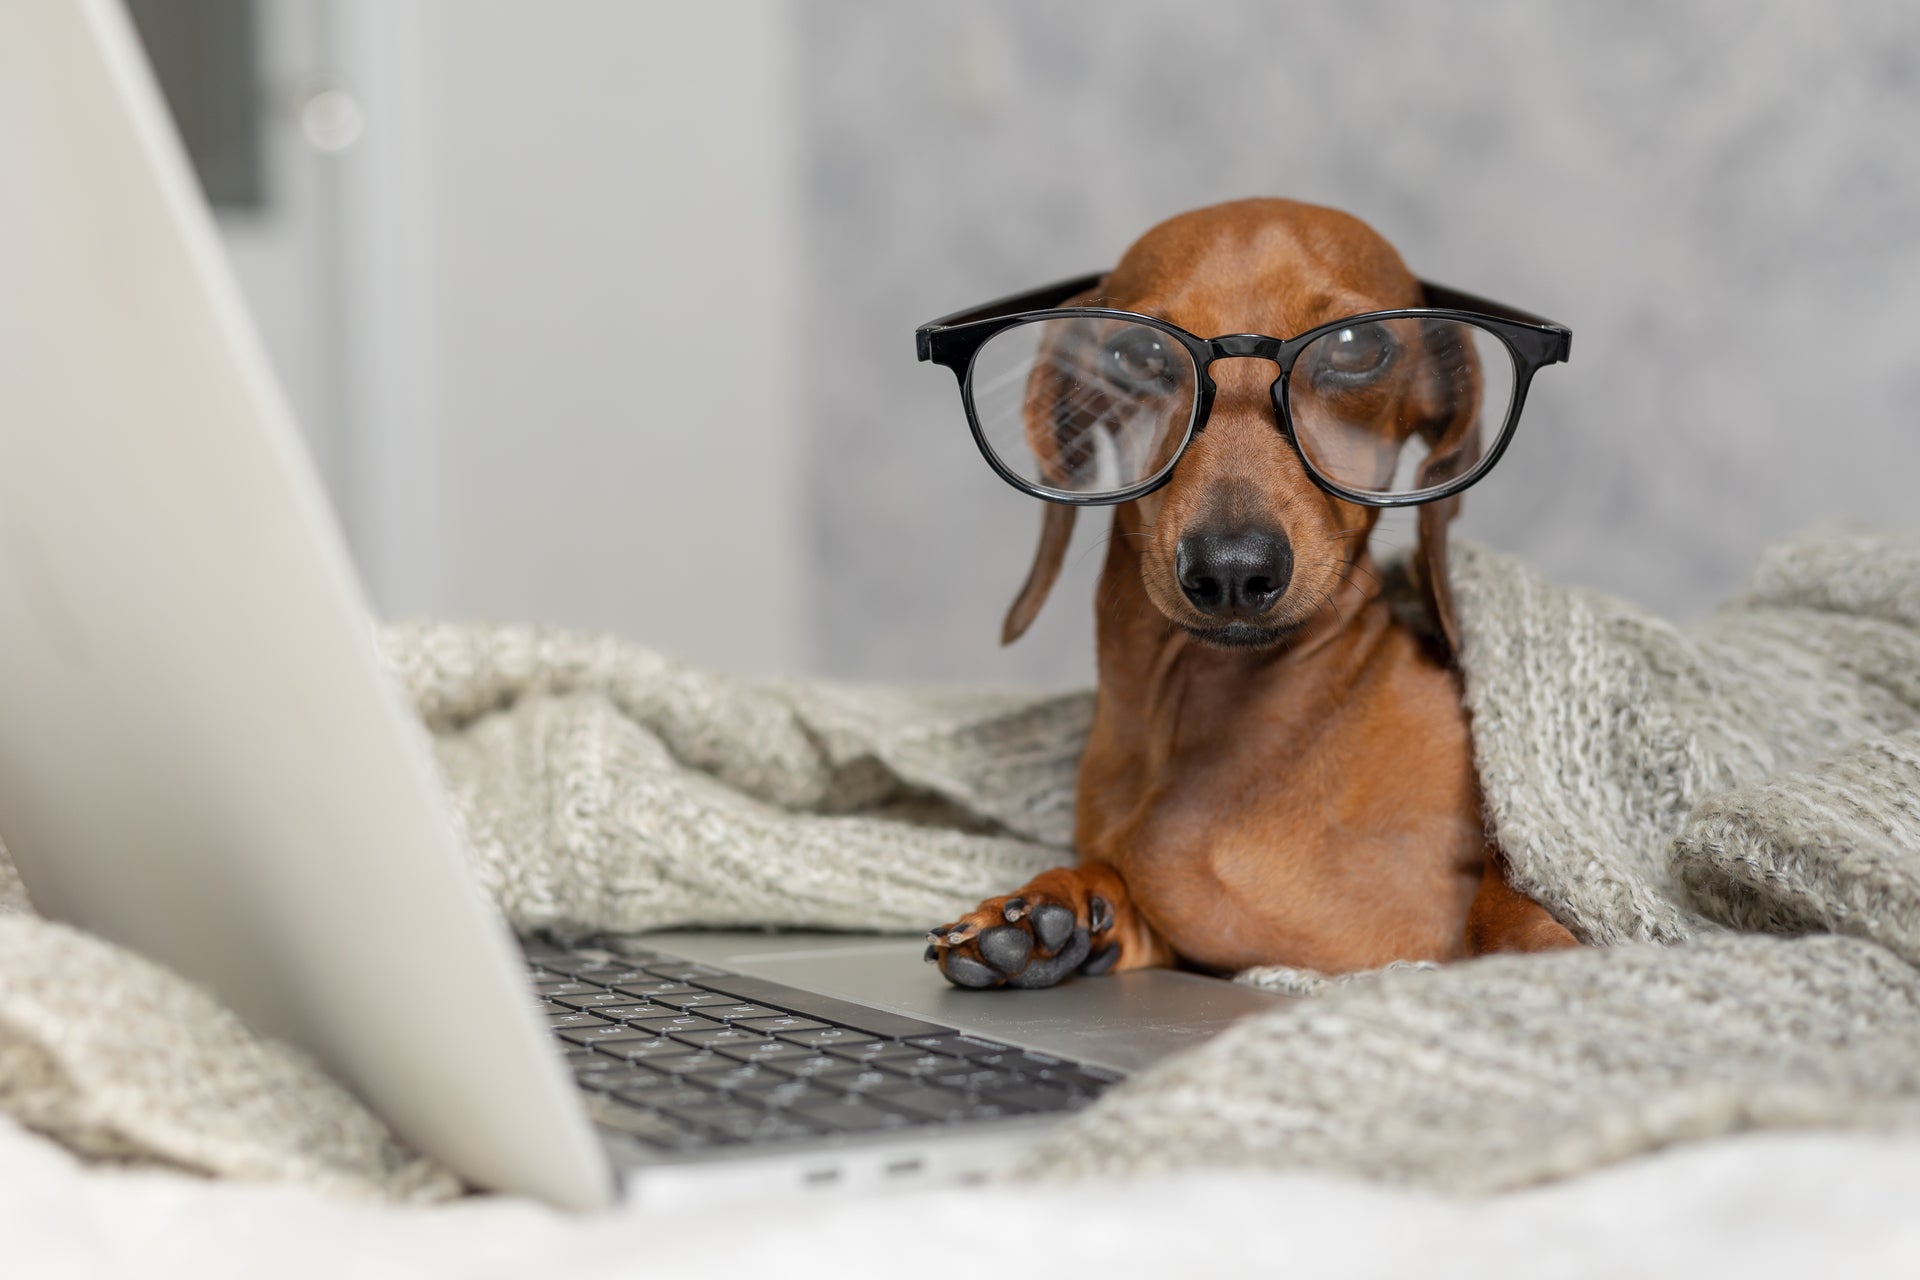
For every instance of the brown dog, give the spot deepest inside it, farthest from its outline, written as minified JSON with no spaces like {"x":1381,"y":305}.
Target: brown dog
{"x":1287,"y":783}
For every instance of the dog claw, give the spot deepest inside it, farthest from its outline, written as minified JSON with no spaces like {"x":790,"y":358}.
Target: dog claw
{"x":965,"y":971}
{"x":931,"y":954}
{"x":1006,"y":948}
{"x":1052,"y":926}
{"x":1014,"y":909}
{"x":1100,"y":913}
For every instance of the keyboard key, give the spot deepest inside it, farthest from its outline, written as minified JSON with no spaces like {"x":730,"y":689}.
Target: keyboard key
{"x":1038,"y":1098}
{"x":561,"y":1021}
{"x":737,"y":1012}
{"x":825,"y":1008}
{"x":698,"y":1107}
{"x":768,"y":1051}
{"x":928,"y":1103}
{"x":745,"y":1124}
{"x":786,"y":1093}
{"x":824,"y":1037}
{"x":574,"y":966}
{"x":763,"y":1127}
{"x":691,"y":1000}
{"x":1080,"y":1079}
{"x":612,"y":975}
{"x":647,"y":1050}
{"x":961,"y":1046}
{"x":560,"y":967}
{"x":691,"y":1063}
{"x":811,"y":1067}
{"x":848,"y":1117}
{"x":624,"y":1078}
{"x":833,"y":1069}
{"x":563,"y":987}
{"x":648,"y":1126}
{"x":719,"y":1038}
{"x":681,"y":970}
{"x":926,"y":1064}
{"x":633,"y":951}
{"x":972,"y":1079}
{"x":997,"y":1080}
{"x":627,"y":1012}
{"x":666,"y":1022}
{"x":867,"y":1080}
{"x":879,"y":1051}
{"x":785,"y":1022}
{"x":655,"y":987}
{"x":775,"y":1127}
{"x":605,"y":1033}
{"x":592,"y":999}
{"x":664,"y":1096}
{"x":743,"y":1079}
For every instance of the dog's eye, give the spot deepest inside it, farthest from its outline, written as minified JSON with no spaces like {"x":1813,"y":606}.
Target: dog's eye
{"x":1137,"y":356}
{"x":1355,"y":355}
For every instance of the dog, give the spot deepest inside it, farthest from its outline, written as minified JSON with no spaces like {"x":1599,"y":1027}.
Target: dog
{"x":1281,"y":775}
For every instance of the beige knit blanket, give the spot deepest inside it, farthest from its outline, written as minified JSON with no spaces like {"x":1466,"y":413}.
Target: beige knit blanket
{"x":1731,"y":810}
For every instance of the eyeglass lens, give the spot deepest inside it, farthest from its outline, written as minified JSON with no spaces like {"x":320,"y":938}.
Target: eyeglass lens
{"x":1083,"y":405}
{"x":1389,"y":408}
{"x":1095,"y":406}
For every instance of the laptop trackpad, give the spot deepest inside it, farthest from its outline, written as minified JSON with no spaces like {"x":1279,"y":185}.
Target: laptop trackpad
{"x":1121,"y":1020}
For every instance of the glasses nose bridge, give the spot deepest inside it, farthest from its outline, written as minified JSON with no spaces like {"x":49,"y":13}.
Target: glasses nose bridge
{"x":1244,"y":346}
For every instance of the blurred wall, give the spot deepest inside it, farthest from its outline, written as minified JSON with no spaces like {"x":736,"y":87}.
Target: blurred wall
{"x":606,"y":315}
{"x":529,"y":272}
{"x":1721,"y":199}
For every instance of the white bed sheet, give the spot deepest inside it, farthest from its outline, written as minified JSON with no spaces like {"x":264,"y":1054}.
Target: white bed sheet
{"x":1778,"y":1204}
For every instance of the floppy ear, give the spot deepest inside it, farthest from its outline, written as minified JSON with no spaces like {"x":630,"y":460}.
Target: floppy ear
{"x":1056,"y":531}
{"x":1454,"y":388}
{"x":1430,"y":569}
{"x":1056,"y":519}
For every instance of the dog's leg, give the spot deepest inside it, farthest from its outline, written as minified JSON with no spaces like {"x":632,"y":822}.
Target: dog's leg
{"x":1502,"y":919}
{"x":1068,"y":920}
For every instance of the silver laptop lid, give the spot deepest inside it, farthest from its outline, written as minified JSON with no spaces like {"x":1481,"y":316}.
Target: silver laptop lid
{"x":199,"y":755}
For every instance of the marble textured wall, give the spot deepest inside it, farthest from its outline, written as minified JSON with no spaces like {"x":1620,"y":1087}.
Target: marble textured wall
{"x":1721,"y":199}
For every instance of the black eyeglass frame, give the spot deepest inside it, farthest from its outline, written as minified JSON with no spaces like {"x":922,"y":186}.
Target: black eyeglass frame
{"x":954,"y":340}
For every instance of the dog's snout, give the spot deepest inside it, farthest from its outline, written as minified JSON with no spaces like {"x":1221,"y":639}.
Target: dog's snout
{"x":1239,"y":574}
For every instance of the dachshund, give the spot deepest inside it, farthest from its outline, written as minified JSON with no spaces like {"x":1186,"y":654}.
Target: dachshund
{"x":1280,"y":767}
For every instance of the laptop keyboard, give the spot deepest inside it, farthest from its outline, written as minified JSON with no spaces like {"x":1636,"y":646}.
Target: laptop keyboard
{"x":685,"y":1057}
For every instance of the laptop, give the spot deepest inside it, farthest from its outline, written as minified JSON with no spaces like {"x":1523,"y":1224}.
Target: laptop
{"x":202,"y":759}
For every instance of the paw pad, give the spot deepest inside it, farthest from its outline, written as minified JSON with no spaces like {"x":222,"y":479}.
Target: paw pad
{"x":1006,"y":948}
{"x":1052,"y":925}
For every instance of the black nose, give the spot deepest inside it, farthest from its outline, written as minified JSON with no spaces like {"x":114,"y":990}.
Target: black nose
{"x":1239,"y":574}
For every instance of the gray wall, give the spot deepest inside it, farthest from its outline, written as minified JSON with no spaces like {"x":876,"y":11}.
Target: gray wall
{"x":495,"y":306}
{"x":1722,"y":200}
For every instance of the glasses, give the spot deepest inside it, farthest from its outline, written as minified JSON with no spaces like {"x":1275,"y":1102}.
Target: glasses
{"x":1091,"y":405}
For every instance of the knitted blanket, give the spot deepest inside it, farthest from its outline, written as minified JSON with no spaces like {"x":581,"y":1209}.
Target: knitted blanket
{"x":1729,"y":810}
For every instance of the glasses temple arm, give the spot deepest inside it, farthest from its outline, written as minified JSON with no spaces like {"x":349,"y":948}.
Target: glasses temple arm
{"x":1439,"y":295}
{"x":1032,"y":300}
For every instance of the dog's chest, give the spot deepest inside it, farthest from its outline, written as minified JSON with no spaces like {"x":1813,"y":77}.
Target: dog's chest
{"x":1334,"y":846}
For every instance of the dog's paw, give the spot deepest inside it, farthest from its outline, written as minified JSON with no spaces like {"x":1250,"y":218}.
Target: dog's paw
{"x":1028,"y":939}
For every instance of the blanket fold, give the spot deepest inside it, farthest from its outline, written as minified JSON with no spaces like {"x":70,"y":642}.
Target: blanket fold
{"x":1726,"y":809}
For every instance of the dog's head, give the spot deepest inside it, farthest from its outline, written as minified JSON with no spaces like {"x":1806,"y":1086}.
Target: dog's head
{"x":1241,"y":547}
